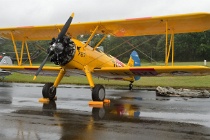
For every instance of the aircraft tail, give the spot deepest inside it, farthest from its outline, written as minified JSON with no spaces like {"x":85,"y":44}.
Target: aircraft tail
{"x":134,"y":61}
{"x":6,"y":60}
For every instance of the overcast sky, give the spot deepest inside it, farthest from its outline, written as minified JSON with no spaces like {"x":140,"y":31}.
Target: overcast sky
{"x":45,"y":12}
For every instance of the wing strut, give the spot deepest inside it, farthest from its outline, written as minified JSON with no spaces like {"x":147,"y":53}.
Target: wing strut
{"x":100,"y":42}
{"x":92,"y":35}
{"x":29,"y":57}
{"x":15,"y":48}
{"x":24,"y":44}
{"x":169,"y":47}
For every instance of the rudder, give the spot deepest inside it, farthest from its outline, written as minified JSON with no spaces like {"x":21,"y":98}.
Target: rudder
{"x":134,"y":61}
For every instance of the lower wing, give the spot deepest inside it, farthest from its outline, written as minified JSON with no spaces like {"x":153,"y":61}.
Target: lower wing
{"x":47,"y":70}
{"x":126,"y":72}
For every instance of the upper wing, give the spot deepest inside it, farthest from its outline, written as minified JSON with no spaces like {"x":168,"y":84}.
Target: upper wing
{"x":125,"y":72}
{"x":185,"y":23}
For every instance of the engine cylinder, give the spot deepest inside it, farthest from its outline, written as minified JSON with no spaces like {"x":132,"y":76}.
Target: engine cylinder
{"x":63,"y":51}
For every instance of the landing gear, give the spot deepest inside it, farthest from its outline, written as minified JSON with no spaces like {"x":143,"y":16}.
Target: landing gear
{"x":131,"y":86}
{"x":98,"y":93}
{"x":49,"y":91}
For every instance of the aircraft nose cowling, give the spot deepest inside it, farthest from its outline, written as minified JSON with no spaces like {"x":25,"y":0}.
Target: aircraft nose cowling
{"x":63,"y":52}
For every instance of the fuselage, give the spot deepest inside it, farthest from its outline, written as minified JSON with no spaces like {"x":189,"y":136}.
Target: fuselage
{"x":93,"y":58}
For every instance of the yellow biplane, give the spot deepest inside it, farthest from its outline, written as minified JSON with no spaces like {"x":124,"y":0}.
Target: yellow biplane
{"x":76,"y":57}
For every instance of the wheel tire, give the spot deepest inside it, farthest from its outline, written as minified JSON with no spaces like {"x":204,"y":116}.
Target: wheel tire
{"x":49,"y":91}
{"x":130,"y":86}
{"x":98,"y":93}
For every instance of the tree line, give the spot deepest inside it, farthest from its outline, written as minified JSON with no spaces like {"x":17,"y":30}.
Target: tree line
{"x":188,"y":47}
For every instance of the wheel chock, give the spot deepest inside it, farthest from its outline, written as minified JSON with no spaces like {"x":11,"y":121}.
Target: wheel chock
{"x":44,"y":100}
{"x":107,"y":101}
{"x":96,"y":103}
{"x":99,"y":103}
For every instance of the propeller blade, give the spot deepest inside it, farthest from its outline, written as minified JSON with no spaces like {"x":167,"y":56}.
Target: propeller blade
{"x":41,"y":66}
{"x":65,"y":27}
{"x":60,"y":36}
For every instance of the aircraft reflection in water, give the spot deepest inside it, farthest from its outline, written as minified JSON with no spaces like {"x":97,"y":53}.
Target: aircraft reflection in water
{"x":115,"y":110}
{"x":110,"y":112}
{"x":101,"y":112}
{"x":77,"y":125}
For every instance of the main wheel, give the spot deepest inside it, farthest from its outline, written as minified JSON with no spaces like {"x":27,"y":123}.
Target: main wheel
{"x":49,"y":91}
{"x":98,"y":93}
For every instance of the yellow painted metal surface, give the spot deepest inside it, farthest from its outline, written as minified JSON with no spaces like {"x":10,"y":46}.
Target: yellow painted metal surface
{"x":89,"y":76}
{"x":59,"y":77}
{"x":185,"y":23}
{"x":96,"y":103}
{"x":154,"y":70}
{"x":28,"y":53}
{"x":166,"y":46}
{"x":99,"y":104}
{"x":169,"y":49}
{"x":15,"y":47}
{"x":21,"y":53}
{"x":44,"y":100}
{"x":86,"y":56}
{"x":92,"y":35}
{"x":107,"y":101}
{"x":97,"y":45}
{"x":48,"y":68}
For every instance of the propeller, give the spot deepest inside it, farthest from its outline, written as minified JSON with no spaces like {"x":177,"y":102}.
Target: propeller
{"x":54,"y":43}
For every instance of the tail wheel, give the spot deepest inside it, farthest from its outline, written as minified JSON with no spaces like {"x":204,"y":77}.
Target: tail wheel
{"x":49,"y":91}
{"x":98,"y":93}
{"x":131,"y":85}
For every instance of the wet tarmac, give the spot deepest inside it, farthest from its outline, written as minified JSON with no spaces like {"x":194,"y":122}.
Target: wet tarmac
{"x":136,"y":114}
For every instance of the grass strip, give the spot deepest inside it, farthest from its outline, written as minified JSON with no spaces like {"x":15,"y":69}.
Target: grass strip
{"x":172,"y":81}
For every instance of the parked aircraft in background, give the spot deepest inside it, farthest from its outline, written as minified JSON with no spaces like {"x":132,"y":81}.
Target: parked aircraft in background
{"x":4,"y":60}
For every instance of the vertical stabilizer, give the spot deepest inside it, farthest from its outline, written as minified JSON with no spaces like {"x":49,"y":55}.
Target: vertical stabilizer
{"x":134,"y":61}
